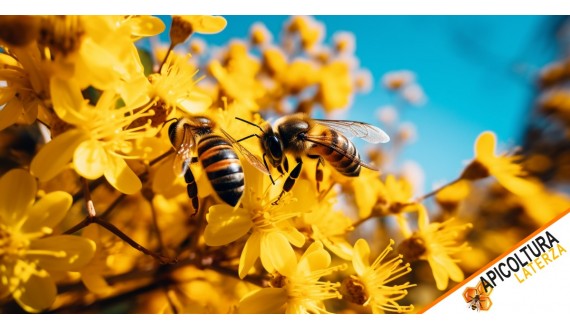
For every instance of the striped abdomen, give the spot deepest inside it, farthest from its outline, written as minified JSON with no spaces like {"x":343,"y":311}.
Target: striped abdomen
{"x":346,"y":162}
{"x":222,"y":166}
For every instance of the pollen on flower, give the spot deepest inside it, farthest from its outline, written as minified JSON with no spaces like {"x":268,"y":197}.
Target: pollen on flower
{"x":412,"y":248}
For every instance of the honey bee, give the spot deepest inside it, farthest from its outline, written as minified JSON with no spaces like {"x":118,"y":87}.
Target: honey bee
{"x":325,"y":140}
{"x":216,"y":153}
{"x":475,"y":303}
{"x":478,"y":298}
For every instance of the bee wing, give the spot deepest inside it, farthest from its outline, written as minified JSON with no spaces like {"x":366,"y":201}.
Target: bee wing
{"x":183,"y":155}
{"x":251,"y":158}
{"x":330,"y":143}
{"x":367,"y":132}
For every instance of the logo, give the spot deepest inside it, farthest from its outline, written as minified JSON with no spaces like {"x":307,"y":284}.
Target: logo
{"x":477,"y":298}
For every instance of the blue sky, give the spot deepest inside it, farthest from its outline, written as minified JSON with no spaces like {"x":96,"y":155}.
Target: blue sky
{"x":477,"y":72}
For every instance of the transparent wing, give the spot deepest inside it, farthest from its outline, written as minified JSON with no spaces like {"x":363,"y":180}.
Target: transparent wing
{"x":367,"y":132}
{"x":330,"y":143}
{"x":183,"y":155}
{"x":251,"y":158}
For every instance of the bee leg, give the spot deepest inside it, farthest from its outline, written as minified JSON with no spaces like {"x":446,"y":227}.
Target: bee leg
{"x":267,"y":167}
{"x":192,"y":189}
{"x":290,"y":180}
{"x":318,"y":171}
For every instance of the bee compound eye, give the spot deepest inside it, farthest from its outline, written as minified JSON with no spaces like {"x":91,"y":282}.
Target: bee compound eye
{"x":172,"y":131}
{"x":275,"y":148}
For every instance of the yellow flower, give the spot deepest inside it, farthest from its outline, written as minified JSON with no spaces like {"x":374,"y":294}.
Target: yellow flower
{"x":310,"y":31}
{"x":183,"y":26}
{"x":450,"y":197}
{"x":367,"y":190}
{"x":197,"y":46}
{"x":344,"y":42}
{"x":175,"y":87}
{"x":503,"y":167}
{"x":396,"y":80}
{"x":274,"y":61}
{"x":329,"y":225}
{"x":437,"y":243}
{"x":300,"y":74}
{"x":27,"y":251}
{"x":237,"y":76}
{"x":96,"y":51}
{"x":369,"y":286}
{"x":394,"y":198}
{"x":98,"y":144}
{"x":23,"y":85}
{"x":298,"y":289}
{"x":198,"y":291}
{"x":272,"y":228}
{"x":260,"y":35}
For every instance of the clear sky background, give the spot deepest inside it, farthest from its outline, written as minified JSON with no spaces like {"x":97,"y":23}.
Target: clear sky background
{"x":477,"y":71}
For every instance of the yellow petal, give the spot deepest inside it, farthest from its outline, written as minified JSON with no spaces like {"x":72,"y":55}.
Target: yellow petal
{"x":304,"y":204}
{"x":68,"y":253}
{"x":166,"y":183}
{"x":6,"y":94}
{"x":17,"y":194}
{"x":277,"y":254}
{"x":37,"y":293}
{"x":135,"y":92}
{"x":249,"y":254}
{"x":423,"y":219}
{"x":518,"y":186}
{"x":454,"y":193}
{"x":485,"y":145}
{"x":314,"y":258}
{"x":195,"y":103}
{"x":67,"y":100}
{"x":47,"y":212}
{"x":7,"y":287}
{"x":207,"y":24}
{"x":339,"y":246}
{"x":55,"y":155}
{"x":145,"y":26}
{"x":264,"y":301}
{"x":226,"y":225}
{"x":90,"y":159}
{"x":95,"y":283}
{"x":98,"y":66}
{"x":30,"y":113}
{"x":295,"y":237}
{"x":10,"y":113}
{"x":121,"y":176}
{"x":361,"y":256}
{"x":439,"y":273}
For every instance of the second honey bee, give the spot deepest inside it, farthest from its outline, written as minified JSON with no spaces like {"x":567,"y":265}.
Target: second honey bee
{"x":216,"y":153}
{"x":326,"y":140}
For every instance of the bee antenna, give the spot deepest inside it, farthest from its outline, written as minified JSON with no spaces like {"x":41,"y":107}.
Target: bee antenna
{"x":252,"y":124}
{"x":169,"y":120}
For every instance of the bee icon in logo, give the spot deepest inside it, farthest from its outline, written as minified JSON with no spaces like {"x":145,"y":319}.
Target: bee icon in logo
{"x":477,"y":298}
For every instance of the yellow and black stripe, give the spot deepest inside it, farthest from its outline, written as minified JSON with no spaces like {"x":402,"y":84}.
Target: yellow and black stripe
{"x":339,"y":152}
{"x":222,"y":166}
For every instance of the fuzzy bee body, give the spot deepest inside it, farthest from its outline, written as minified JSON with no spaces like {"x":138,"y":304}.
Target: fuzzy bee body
{"x":299,"y":135}
{"x":222,"y":166}
{"x":216,"y":154}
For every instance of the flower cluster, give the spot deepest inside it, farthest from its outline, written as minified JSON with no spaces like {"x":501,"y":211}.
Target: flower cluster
{"x":140,"y":165}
